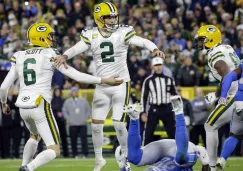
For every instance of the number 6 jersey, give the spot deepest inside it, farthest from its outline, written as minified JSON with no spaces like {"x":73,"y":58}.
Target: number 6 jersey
{"x":34,"y":68}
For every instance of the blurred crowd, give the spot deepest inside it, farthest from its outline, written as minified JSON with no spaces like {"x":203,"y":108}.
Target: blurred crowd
{"x":170,"y":24}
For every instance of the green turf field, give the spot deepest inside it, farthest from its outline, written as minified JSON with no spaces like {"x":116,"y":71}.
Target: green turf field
{"x":234,"y":164}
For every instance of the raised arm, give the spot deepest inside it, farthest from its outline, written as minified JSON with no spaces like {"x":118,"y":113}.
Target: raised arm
{"x":145,"y":43}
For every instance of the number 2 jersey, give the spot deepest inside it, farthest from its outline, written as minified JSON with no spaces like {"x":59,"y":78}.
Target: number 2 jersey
{"x":110,"y":54}
{"x":227,"y":54}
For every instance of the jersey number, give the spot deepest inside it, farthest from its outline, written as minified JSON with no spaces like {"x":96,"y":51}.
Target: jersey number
{"x":234,"y":59}
{"x":106,"y":55}
{"x":29,"y":72}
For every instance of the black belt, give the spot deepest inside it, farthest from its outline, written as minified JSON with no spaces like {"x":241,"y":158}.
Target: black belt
{"x":160,"y":105}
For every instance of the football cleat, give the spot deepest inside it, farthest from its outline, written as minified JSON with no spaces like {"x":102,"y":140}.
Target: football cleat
{"x":99,"y":164}
{"x":177,"y":104}
{"x":24,"y":168}
{"x":133,"y":110}
{"x":220,"y":165}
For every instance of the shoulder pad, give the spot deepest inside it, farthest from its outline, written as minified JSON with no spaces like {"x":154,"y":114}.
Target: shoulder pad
{"x":86,"y":35}
{"x":127,"y":31}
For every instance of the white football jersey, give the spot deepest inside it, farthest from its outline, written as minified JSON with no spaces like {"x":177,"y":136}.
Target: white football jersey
{"x":110,"y":54}
{"x":35,"y":70}
{"x":228,"y":55}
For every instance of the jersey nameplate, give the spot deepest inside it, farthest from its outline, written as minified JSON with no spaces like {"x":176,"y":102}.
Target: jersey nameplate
{"x":33,"y":51}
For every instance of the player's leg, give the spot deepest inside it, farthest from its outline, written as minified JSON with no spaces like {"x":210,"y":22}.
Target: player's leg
{"x":48,"y":130}
{"x":236,"y":134}
{"x":220,"y":116}
{"x":31,"y":145}
{"x":120,"y":97}
{"x":100,"y":108}
{"x":181,"y":136}
{"x":139,"y":157}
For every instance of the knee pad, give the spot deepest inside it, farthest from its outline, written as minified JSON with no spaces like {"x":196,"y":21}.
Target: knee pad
{"x":97,"y":128}
{"x":209,"y":128}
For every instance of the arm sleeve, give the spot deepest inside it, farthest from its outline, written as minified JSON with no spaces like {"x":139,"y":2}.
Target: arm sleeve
{"x":141,"y":42}
{"x":145,"y":93}
{"x":228,"y":79}
{"x":8,"y":81}
{"x":78,"y":48}
{"x":78,"y":76}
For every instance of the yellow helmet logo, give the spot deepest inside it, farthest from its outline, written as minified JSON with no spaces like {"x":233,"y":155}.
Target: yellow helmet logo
{"x":106,"y":11}
{"x":208,"y":36}
{"x":41,"y":34}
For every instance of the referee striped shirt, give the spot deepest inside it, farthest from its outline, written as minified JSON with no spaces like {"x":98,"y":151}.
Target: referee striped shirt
{"x":157,"y":89}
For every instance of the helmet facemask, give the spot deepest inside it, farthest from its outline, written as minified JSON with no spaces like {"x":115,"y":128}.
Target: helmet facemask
{"x":200,"y":41}
{"x":111,"y":22}
{"x":53,"y":39}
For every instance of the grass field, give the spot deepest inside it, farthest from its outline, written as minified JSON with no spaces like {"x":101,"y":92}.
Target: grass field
{"x":234,"y":164}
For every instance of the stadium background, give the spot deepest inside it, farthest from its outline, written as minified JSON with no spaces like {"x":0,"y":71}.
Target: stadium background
{"x":170,"y":24}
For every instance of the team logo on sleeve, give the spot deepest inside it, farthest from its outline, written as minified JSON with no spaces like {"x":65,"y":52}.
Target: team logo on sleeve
{"x":211,"y":29}
{"x":41,"y":28}
{"x":97,"y":9}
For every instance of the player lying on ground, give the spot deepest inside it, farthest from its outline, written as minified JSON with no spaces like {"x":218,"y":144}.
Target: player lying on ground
{"x":34,"y":68}
{"x":109,"y":44}
{"x":163,"y":155}
{"x":222,"y":59}
{"x":236,"y":130}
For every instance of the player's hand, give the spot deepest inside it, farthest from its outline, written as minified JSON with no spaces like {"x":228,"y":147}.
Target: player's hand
{"x":159,"y":53}
{"x":6,"y":109}
{"x":61,"y":59}
{"x":210,"y":98}
{"x":223,"y":101}
{"x":112,"y":81}
{"x":144,"y":117}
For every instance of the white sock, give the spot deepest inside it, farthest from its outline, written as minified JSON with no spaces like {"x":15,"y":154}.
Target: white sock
{"x":29,"y":151}
{"x":41,"y":159}
{"x":121,"y":133}
{"x":97,"y":137}
{"x":212,"y":142}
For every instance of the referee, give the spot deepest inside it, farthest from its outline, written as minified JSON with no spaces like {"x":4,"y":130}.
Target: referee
{"x":156,"y":91}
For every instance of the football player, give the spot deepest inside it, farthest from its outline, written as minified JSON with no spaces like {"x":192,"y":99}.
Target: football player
{"x":221,"y":60}
{"x":34,"y":68}
{"x":163,"y":155}
{"x":109,"y":43}
{"x":236,"y":130}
